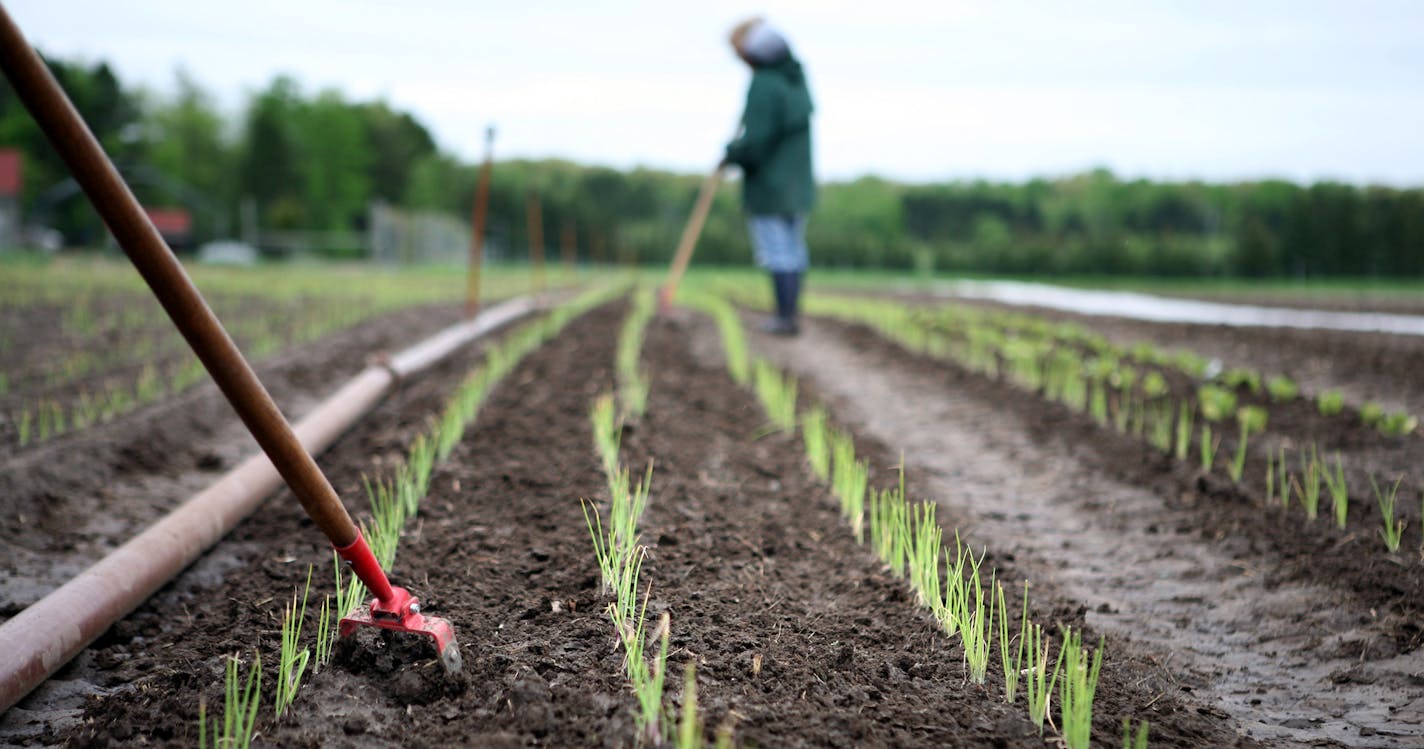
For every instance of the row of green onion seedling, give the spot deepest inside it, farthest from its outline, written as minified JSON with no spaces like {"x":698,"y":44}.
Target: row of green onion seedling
{"x":43,"y":419}
{"x":998,"y":328}
{"x":114,"y":333}
{"x":984,"y":339}
{"x":908,"y":539}
{"x":620,"y":552}
{"x":1120,"y":395}
{"x":392,"y":501}
{"x":633,"y":382}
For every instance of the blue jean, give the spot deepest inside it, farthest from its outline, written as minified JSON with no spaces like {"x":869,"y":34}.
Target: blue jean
{"x":779,"y":241}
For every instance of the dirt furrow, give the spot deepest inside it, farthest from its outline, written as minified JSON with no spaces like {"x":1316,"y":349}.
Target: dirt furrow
{"x":142,"y":679}
{"x":1290,"y":661}
{"x":67,"y":502}
{"x":800,"y":636}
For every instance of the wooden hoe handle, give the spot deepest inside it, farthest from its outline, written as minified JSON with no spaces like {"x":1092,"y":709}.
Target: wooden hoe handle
{"x":136,"y":234}
{"x":690,"y":233}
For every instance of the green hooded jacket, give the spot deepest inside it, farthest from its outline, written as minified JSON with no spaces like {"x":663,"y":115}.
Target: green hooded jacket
{"x":774,"y":148}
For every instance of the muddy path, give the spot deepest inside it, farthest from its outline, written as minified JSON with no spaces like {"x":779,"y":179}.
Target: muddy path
{"x":1227,"y":602}
{"x":67,"y":502}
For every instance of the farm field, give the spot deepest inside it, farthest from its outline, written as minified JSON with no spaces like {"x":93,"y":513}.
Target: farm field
{"x":780,"y":561}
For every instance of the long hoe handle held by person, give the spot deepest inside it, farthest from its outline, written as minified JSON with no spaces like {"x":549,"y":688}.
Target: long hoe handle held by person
{"x":392,"y":608}
{"x":690,"y":233}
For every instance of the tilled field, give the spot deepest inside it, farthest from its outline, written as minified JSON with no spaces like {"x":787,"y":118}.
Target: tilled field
{"x":1226,"y":624}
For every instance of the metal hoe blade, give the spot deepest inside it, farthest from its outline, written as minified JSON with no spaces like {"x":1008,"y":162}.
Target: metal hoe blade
{"x":402,"y":614}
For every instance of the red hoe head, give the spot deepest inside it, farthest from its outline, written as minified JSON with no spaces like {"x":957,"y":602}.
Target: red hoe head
{"x":394,"y":608}
{"x":665,"y":294}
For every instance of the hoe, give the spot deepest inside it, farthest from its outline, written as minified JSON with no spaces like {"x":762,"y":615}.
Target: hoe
{"x":688,"y":242}
{"x":392,"y":608}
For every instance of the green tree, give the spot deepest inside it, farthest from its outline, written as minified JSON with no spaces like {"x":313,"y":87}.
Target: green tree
{"x":270,"y":170}
{"x":189,"y":148}
{"x":335,"y":158}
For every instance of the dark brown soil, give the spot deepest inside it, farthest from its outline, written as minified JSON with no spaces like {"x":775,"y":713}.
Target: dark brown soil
{"x":68,"y":501}
{"x":799,"y":635}
{"x":1171,"y":563}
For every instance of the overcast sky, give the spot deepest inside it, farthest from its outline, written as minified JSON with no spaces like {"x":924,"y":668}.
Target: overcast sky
{"x":1003,"y":89}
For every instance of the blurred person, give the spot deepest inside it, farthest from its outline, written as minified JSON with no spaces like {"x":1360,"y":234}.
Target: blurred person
{"x":773,"y":150}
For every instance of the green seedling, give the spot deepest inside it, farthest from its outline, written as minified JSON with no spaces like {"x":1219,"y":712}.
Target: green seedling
{"x":889,"y":529}
{"x":1241,"y":378}
{"x":413,"y":478}
{"x":646,"y":678}
{"x":1124,"y":378}
{"x":348,"y":596}
{"x":1185,"y":416}
{"x":1131,"y":739}
{"x":617,"y":544}
{"x":240,"y":703}
{"x":1283,"y":478}
{"x":603,"y":548}
{"x":633,"y":382}
{"x":1339,"y":493}
{"x":976,"y":625}
{"x":1252,"y":419}
{"x":1330,"y":402}
{"x":1398,"y":424}
{"x":1282,"y":388}
{"x":689,"y":726}
{"x":1011,"y":667}
{"x":1160,"y":426}
{"x":849,"y":480}
{"x":607,"y":434}
{"x":777,"y":395}
{"x":1308,"y":488}
{"x":1190,"y":363}
{"x":325,"y":634}
{"x":1098,"y":402}
{"x":947,"y":610}
{"x":1372,"y":413}
{"x":1146,"y":353}
{"x":387,"y":520}
{"x":818,"y":449}
{"x":1076,"y":691}
{"x":1393,"y":528}
{"x":925,"y":546}
{"x":1216,"y":403}
{"x":1154,"y":385}
{"x":1208,"y":448}
{"x":625,"y":591}
{"x":292,"y":658}
{"x":1039,"y":686}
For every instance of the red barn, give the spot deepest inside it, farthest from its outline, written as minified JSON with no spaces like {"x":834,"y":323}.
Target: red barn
{"x":175,"y":224}
{"x":10,"y":174}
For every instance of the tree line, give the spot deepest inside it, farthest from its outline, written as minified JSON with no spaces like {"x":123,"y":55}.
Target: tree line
{"x":314,"y":160}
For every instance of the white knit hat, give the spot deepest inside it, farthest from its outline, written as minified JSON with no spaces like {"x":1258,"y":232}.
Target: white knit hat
{"x":763,"y":44}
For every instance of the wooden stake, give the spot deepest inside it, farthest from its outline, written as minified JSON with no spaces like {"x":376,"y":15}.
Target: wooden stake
{"x":477,"y":240}
{"x":570,"y":245}
{"x":534,"y":215}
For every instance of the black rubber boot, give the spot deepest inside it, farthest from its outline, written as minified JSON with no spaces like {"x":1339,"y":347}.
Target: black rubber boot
{"x":793,"y":298}
{"x":785,"y":285}
{"x":778,"y":290}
